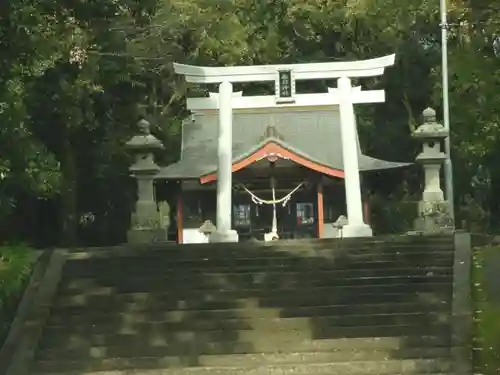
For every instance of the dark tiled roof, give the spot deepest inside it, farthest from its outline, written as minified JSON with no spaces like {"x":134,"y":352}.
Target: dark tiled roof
{"x":312,"y":134}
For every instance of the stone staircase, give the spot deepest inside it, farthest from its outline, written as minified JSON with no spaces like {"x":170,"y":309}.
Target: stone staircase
{"x":300,"y":307}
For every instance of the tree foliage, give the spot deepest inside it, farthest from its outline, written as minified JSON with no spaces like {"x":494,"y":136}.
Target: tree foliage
{"x":16,"y":264}
{"x":76,"y":75}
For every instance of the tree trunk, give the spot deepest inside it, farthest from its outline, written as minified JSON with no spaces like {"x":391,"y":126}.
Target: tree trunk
{"x":68,"y":195}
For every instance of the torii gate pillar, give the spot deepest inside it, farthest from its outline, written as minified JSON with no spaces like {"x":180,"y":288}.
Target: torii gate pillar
{"x":284,"y":77}
{"x":355,"y":227}
{"x":224,"y":233}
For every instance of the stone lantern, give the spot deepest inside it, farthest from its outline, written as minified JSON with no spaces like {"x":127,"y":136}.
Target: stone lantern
{"x":146,"y":219}
{"x":433,"y":210}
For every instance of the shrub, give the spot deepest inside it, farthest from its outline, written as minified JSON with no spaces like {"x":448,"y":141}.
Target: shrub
{"x":389,"y":215}
{"x":15,"y":268}
{"x":487,"y":311}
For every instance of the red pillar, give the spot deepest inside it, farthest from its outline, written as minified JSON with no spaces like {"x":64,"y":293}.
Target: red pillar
{"x":321,"y":210}
{"x":179,"y":217}
{"x":366,"y":212}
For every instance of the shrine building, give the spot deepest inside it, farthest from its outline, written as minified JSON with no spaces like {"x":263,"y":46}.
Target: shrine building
{"x":287,"y":172}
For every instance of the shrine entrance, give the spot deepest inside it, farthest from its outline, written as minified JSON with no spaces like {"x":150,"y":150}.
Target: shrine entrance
{"x":286,"y":97}
{"x":230,"y":139}
{"x":297,"y":218}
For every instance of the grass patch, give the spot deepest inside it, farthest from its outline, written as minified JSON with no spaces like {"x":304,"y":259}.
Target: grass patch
{"x":16,"y":264}
{"x":487,"y":311}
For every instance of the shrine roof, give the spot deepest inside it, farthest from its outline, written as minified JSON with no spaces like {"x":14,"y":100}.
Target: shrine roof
{"x":310,"y":134}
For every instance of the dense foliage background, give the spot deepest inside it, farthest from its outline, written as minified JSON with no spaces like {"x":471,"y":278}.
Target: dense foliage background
{"x":75,"y":75}
{"x":486,"y":263}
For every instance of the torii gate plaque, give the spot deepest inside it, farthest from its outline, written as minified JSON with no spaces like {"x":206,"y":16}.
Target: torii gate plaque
{"x":284,"y":76}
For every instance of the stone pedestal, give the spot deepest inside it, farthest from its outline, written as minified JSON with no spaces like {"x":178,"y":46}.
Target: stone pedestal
{"x":146,"y":221}
{"x":357,"y":230}
{"x":144,"y":236}
{"x":227,"y":236}
{"x":432,"y":187}
{"x":433,"y":217}
{"x":433,"y":210}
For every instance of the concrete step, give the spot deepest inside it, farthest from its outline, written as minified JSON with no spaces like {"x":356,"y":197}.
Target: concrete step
{"x":250,"y":323}
{"x":246,"y":309}
{"x":367,"y":269}
{"x":117,"y":265}
{"x":191,"y":307}
{"x":110,"y":286}
{"x":398,"y":347}
{"x":429,"y":243}
{"x":101,"y":360}
{"x":124,"y":336}
{"x":328,"y":295}
{"x":277,"y":276}
{"x":161,"y":356}
{"x":389,"y":367}
{"x":369,"y":249}
{"x":204,"y":251}
{"x":145,"y":302}
{"x":75,"y":284}
{"x":76,"y":347}
{"x":352,"y":307}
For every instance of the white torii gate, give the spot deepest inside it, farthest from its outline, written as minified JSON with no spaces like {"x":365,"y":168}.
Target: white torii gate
{"x":285,"y":96}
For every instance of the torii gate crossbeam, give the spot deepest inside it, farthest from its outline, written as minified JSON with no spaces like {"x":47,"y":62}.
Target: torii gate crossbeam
{"x":262,"y":73}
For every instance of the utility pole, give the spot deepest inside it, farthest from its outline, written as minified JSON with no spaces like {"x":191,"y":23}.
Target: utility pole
{"x":448,"y":169}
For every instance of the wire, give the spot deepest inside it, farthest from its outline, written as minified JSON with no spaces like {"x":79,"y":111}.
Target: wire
{"x":121,"y":54}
